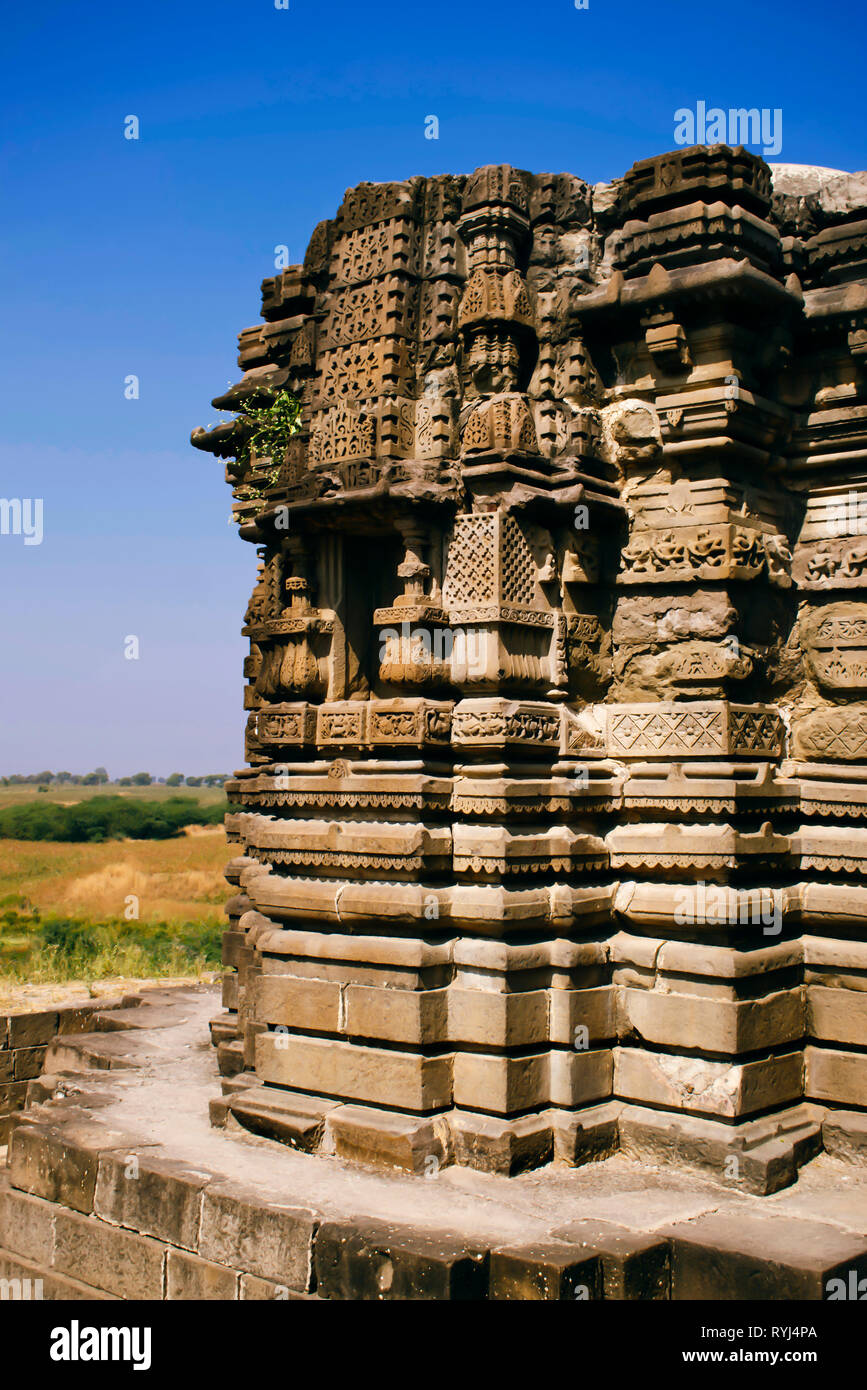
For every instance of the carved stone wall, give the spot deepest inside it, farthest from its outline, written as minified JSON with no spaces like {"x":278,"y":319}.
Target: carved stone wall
{"x":551,"y":837}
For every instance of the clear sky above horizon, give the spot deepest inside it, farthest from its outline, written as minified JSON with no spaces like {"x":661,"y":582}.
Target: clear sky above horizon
{"x":124,"y":257}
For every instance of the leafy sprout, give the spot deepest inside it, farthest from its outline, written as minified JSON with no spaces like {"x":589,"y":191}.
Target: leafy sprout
{"x":269,"y":429}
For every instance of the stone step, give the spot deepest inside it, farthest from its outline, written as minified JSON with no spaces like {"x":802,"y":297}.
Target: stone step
{"x":138,"y":1017}
{"x":844,"y":1133}
{"x":759,"y":1156}
{"x":104,"y":1051}
{"x":224,"y":1028}
{"x":54,"y":1083}
{"x":230,"y":1085}
{"x":294,"y":1119}
{"x":230,"y":1057}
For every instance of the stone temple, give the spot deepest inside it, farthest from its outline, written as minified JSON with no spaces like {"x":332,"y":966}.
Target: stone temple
{"x":550,"y":842}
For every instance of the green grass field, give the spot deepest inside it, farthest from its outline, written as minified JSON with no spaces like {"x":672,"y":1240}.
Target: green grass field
{"x":119,"y":908}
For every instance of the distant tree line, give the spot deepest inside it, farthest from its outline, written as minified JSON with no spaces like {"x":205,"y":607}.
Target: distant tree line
{"x":99,"y":777}
{"x":106,"y":818}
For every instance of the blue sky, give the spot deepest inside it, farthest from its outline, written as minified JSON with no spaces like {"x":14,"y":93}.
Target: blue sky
{"x":144,"y":257}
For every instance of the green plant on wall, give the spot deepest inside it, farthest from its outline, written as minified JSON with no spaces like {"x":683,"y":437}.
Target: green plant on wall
{"x":273,"y":425}
{"x":269,"y":429}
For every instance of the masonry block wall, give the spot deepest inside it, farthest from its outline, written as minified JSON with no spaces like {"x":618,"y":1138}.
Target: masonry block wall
{"x":24,"y":1040}
{"x":551,"y":834}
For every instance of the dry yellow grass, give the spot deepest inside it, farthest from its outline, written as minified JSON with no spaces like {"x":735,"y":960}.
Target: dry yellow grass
{"x":174,"y":880}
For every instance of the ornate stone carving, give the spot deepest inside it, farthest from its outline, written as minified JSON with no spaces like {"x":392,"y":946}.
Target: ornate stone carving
{"x":374,"y":310}
{"x":368,"y":252}
{"x":556,"y":672}
{"x":502,"y":424}
{"x":695,"y":728}
{"x":286,"y":725}
{"x":833,"y":565}
{"x":363,"y":371}
{"x":494,"y":298}
{"x":835,"y":639}
{"x":709,"y":552}
{"x":502,"y":723}
{"x":342,"y":433}
{"x":835,"y":735}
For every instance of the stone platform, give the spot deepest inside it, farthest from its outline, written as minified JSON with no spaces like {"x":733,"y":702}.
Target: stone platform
{"x":117,"y":1186}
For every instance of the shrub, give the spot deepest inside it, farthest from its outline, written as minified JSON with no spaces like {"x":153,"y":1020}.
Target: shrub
{"x":38,"y":949}
{"x":106,"y":818}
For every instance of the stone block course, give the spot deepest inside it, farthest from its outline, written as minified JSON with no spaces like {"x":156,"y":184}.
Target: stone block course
{"x":363,"y":1261}
{"x":60,"y":1165}
{"x":844,"y":1134}
{"x":547,"y":1272}
{"x":301,"y":1004}
{"x":270,"y":1240}
{"x":24,"y":1040}
{"x":124,"y":1263}
{"x":188,"y":1277}
{"x":41,"y":1282}
{"x":405,"y":1080}
{"x":721,"y":1089}
{"x":406,"y":1142}
{"x":838,"y":1076}
{"x":837,"y":1015}
{"x":152,"y":1195}
{"x":32,"y":1030}
{"x":634,"y":1265}
{"x":26,"y":1225}
{"x":692,"y":1021}
{"x":29,"y":1063}
{"x":758,"y":1257}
